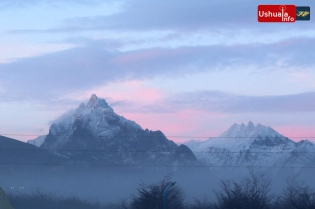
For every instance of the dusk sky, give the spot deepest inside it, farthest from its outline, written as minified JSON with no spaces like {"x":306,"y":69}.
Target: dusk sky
{"x":187,"y":68}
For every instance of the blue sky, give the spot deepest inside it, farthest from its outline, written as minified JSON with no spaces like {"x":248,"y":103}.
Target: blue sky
{"x":186,"y":68}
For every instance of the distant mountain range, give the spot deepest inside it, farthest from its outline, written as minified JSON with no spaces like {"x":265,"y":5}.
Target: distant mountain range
{"x":95,"y":134}
{"x":250,"y":145}
{"x":94,"y":148}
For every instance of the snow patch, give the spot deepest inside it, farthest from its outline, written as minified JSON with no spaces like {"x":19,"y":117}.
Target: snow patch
{"x":37,"y":141}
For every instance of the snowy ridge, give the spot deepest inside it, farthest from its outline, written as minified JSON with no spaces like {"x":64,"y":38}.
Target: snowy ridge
{"x":258,"y":145}
{"x":239,"y":137}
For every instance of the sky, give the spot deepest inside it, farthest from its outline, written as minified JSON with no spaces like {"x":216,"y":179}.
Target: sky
{"x":188,"y":68}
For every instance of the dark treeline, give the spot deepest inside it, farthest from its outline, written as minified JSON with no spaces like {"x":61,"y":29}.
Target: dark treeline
{"x":253,"y":192}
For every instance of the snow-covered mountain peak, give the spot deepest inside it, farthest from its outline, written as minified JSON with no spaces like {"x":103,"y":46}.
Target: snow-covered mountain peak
{"x":242,"y":137}
{"x":95,"y":106}
{"x":233,"y":130}
{"x":249,"y":131}
{"x":253,"y":145}
{"x":96,"y":126}
{"x":95,"y":102}
{"x":250,"y":126}
{"x":82,"y":105}
{"x":305,"y":142}
{"x":81,"y":108}
{"x":96,"y":119}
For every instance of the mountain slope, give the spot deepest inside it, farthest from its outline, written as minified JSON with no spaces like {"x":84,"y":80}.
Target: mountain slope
{"x":19,"y":153}
{"x":95,"y":134}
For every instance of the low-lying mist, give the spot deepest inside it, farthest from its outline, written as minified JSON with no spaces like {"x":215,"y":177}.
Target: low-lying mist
{"x":119,"y":184}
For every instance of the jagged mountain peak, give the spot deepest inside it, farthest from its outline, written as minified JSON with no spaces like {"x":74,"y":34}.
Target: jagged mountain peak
{"x":95,"y":102}
{"x":96,"y":126}
{"x":250,"y":125}
{"x":305,"y":142}
{"x":249,"y":144}
{"x":95,"y":106}
{"x":81,"y":108}
{"x":96,"y":118}
{"x":250,"y":130}
{"x":242,"y":137}
{"x":235,"y":128}
{"x":82,"y":105}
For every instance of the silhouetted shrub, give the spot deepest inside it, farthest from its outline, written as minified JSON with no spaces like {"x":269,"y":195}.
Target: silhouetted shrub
{"x":251,"y":193}
{"x":297,"y":195}
{"x":151,"y":196}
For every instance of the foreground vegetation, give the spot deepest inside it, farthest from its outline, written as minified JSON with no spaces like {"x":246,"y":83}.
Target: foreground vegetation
{"x":252,"y":192}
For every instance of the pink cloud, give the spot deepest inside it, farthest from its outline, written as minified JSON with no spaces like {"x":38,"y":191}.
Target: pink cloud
{"x":135,"y":91}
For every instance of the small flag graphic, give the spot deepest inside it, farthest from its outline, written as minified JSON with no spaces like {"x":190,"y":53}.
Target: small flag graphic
{"x":303,"y":13}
